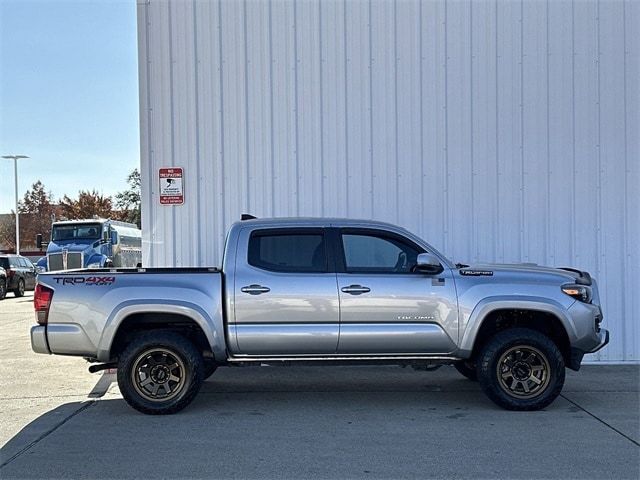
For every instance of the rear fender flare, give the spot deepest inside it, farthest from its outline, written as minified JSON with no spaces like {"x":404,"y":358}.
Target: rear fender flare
{"x":213,"y":330}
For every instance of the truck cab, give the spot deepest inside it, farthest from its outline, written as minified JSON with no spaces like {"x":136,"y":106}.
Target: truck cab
{"x":91,"y":243}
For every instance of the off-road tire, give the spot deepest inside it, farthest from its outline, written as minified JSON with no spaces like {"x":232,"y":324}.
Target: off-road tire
{"x":192,"y":368}
{"x":508,"y":341}
{"x":467,"y":369}
{"x":19,"y":291}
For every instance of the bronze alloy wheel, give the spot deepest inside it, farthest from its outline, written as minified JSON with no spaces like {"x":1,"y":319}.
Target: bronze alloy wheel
{"x":158,"y":374}
{"x":523,"y":372}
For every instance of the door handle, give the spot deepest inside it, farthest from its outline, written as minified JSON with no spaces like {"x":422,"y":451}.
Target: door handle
{"x":355,"y":289}
{"x":255,"y":289}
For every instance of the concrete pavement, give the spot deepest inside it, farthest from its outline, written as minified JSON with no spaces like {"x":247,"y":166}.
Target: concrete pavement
{"x":59,"y":421}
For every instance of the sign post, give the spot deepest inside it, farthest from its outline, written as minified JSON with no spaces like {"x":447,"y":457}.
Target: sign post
{"x":171,"y":186}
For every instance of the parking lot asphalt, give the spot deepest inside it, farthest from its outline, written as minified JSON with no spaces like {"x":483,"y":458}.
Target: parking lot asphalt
{"x":59,"y":421}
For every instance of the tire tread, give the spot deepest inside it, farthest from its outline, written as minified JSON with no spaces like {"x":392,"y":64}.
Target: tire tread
{"x":487,"y":364}
{"x":191,"y":356}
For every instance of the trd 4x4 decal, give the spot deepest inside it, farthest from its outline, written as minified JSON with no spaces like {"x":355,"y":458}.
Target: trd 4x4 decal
{"x":85,"y":280}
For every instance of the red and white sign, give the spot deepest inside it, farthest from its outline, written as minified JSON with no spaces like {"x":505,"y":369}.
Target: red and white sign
{"x":171,"y":186}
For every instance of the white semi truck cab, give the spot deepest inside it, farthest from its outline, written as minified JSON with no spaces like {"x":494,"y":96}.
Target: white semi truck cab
{"x":91,"y":243}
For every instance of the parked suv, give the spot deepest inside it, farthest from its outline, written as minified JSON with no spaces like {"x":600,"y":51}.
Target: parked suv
{"x":21,"y":274}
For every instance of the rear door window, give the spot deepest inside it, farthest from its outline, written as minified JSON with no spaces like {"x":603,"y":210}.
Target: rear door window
{"x":296,"y":251}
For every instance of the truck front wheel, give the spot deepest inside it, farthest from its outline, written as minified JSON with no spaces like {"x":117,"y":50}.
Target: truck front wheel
{"x":160,"y":373}
{"x":521,"y":369}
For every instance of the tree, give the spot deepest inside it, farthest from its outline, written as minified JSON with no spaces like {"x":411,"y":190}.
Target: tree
{"x":36,"y":214}
{"x":88,"y":205}
{"x":36,"y":211}
{"x":128,"y":202}
{"x":8,"y":231}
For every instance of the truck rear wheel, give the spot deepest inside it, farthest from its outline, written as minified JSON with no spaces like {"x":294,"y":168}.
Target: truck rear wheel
{"x":160,"y":373}
{"x":521,"y":369}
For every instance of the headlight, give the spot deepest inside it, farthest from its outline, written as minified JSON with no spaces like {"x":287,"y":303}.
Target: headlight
{"x":579,"y":292}
{"x":94,"y":265}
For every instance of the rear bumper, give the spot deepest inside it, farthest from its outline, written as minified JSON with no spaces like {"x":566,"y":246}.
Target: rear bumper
{"x":39,"y":342}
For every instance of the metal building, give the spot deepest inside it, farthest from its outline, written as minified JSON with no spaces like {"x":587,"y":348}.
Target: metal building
{"x":503,"y":131}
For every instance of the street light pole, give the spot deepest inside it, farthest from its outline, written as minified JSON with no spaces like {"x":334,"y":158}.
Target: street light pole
{"x":15,"y":180}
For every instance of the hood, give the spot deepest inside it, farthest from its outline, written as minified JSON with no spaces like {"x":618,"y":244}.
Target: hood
{"x":527,"y":269}
{"x":69,"y":245}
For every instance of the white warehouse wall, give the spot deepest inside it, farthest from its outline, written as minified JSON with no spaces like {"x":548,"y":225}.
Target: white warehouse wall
{"x":499,"y":131}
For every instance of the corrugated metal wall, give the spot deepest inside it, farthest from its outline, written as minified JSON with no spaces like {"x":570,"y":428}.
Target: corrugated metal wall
{"x":501,"y":131}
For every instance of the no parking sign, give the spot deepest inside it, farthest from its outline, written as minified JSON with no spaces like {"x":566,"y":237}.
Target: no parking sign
{"x":171,"y":186}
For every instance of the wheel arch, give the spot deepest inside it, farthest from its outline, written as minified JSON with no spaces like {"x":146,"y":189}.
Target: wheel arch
{"x":542,"y":315}
{"x":190,"y":320}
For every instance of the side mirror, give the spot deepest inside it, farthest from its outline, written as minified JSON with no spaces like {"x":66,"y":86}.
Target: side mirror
{"x":429,"y":264}
{"x":114,"y":237}
{"x":105,"y":236}
{"x":39,"y":241}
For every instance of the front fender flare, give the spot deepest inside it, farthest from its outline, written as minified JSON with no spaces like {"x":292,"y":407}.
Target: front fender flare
{"x":491,"y":304}
{"x":213,"y":330}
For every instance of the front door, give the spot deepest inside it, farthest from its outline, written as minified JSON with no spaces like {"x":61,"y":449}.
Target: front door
{"x":285,"y":293}
{"x":29,"y":273}
{"x":386,"y":307}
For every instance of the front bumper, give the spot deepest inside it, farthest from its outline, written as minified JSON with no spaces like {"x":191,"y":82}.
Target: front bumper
{"x":39,"y":342}
{"x":603,"y":337}
{"x":577,"y":354}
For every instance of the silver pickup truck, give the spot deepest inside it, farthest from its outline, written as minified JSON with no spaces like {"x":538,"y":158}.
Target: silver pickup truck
{"x":307,"y":291}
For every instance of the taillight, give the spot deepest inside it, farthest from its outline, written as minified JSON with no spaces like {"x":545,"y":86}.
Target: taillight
{"x":41,"y":302}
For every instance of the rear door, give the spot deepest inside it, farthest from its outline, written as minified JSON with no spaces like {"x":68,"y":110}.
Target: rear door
{"x":285,"y":293}
{"x":386,"y":307}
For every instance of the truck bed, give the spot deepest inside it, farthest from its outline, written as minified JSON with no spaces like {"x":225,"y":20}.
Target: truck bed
{"x":90,"y":305}
{"x":172,"y":270}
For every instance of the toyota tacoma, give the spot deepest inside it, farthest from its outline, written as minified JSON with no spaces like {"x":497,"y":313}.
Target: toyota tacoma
{"x":314,"y":291}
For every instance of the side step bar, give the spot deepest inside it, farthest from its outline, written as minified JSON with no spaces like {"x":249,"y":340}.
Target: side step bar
{"x":342,"y":360}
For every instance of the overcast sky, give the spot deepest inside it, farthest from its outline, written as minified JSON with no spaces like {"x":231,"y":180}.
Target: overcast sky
{"x":68,"y":95}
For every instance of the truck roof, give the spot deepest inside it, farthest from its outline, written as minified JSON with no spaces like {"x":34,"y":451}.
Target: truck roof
{"x":95,"y":220}
{"x":316,"y":221}
{"x":335,"y":222}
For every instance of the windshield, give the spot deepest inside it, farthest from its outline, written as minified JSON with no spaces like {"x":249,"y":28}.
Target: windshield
{"x":86,"y":231}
